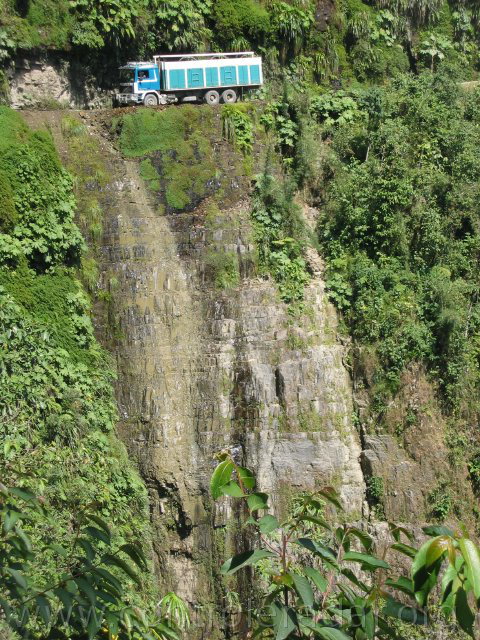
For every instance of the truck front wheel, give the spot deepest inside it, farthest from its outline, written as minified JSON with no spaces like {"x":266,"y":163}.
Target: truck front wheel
{"x":212,"y":97}
{"x":150,"y":100}
{"x":229,"y":96}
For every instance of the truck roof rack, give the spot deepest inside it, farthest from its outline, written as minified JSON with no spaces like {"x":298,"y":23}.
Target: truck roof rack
{"x":199,"y":56}
{"x":133,"y":64}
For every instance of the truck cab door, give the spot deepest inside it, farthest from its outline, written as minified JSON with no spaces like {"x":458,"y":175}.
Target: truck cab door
{"x":148,"y":79}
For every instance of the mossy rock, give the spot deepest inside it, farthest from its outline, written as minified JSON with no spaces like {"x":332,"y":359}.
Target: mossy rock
{"x":177,"y":143}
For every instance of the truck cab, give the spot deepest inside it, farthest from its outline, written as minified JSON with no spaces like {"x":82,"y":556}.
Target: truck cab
{"x":137,"y":80}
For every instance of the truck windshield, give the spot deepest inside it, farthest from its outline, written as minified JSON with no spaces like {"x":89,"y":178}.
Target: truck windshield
{"x":127,"y":76}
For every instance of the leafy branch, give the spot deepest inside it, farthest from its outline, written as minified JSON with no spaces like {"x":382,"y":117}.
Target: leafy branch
{"x":334,"y":586}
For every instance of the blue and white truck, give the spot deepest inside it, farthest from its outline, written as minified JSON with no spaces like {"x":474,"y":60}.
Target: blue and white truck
{"x":208,"y":77}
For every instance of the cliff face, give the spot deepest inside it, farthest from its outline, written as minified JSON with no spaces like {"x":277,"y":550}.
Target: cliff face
{"x":209,"y":357}
{"x":203,"y":367}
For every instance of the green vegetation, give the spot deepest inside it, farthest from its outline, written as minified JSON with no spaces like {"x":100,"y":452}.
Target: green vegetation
{"x":89,"y":595}
{"x":309,"y":585}
{"x":224,"y":268}
{"x":399,"y":230}
{"x":238,"y":126}
{"x":57,"y":406}
{"x":350,"y":39}
{"x":37,"y":196}
{"x":280,"y":235}
{"x":178,"y":152}
{"x":364,"y":119}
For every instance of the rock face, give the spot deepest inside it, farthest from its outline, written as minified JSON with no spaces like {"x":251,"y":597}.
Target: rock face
{"x":53,"y":82}
{"x":203,"y":368}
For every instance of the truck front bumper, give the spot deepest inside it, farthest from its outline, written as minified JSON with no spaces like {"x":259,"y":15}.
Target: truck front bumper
{"x":128,"y":98}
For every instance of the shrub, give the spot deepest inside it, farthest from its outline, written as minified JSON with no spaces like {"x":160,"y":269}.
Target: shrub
{"x":234,"y":18}
{"x":309,"y":585}
{"x":178,"y":151}
{"x":224,"y":268}
{"x":8,"y":212}
{"x":238,"y":127}
{"x":42,"y":193}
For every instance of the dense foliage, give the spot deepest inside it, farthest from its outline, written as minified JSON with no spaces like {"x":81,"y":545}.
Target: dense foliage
{"x":57,"y":410}
{"x":400,"y":230}
{"x":351,"y":39}
{"x":88,"y":596}
{"x":177,"y":162}
{"x":307,"y":569}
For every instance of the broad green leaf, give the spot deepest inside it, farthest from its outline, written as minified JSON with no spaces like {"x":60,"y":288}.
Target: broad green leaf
{"x":136,"y":554}
{"x":87,"y":589}
{"x":65,"y":598}
{"x":367,"y":561}
{"x":98,"y":534}
{"x":438,"y":530}
{"x":43,"y":608}
{"x":402,"y":584}
{"x":247,"y":477}
{"x":403,"y":612}
{"x":87,"y":548}
{"x":406,"y":549}
{"x":106,"y":597}
{"x":64,"y":553}
{"x":283,"y":619}
{"x":244,"y":560}
{"x":94,"y":623}
{"x":325,"y":633}
{"x":316,"y":577}
{"x":451,"y":576}
{"x":114,"y":585}
{"x":101,"y":523}
{"x":463,"y":613}
{"x":18,"y":577}
{"x":257,"y":501}
{"x":231,"y":489}
{"x":24,"y":494}
{"x":268,"y":523}
{"x":363,"y":616}
{"x":424,"y":577}
{"x":110,"y":559}
{"x":437,"y":549}
{"x":303,"y":588}
{"x":331,"y":496}
{"x":10,"y":518}
{"x":220,"y":477}
{"x":363,"y":536}
{"x":318,"y":548}
{"x":164,"y":631}
{"x":353,"y":578}
{"x":471,"y":556}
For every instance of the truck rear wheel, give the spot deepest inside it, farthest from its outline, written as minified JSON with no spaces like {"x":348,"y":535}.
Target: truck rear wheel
{"x":212,"y":97}
{"x":150,"y":100}
{"x":229,"y":96}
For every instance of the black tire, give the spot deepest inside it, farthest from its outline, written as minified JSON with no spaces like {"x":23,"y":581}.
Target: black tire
{"x":150,"y":100}
{"x":229,"y":96}
{"x":212,"y":97}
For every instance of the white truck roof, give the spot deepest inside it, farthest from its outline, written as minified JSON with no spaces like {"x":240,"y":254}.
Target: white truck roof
{"x":173,"y":57}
